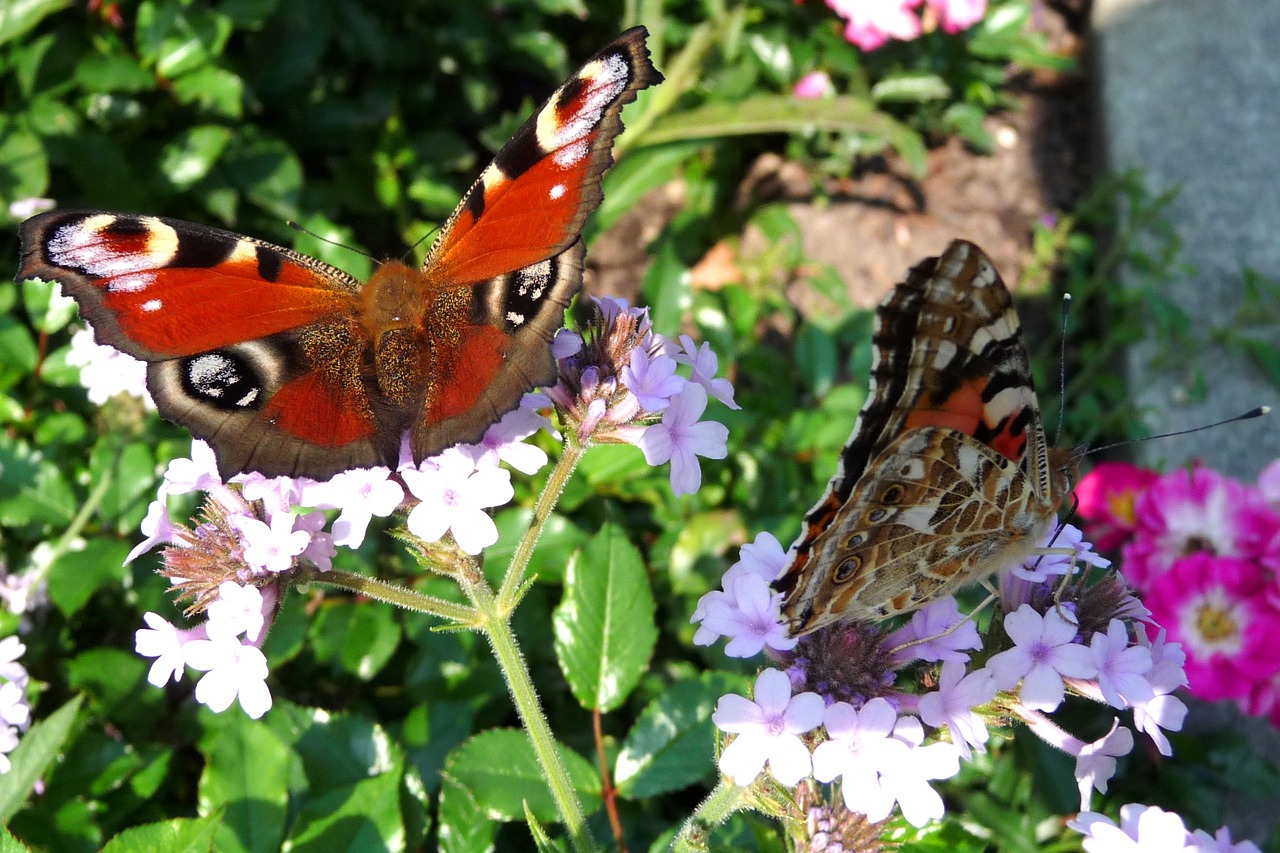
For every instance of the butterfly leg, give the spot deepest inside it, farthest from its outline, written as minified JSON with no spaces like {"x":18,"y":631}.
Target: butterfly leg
{"x":951,"y":630}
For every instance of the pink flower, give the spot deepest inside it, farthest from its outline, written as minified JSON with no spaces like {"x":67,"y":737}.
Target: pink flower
{"x":957,"y":15}
{"x":815,"y":84}
{"x":871,"y":23}
{"x":1191,"y":512}
{"x":1215,"y":608}
{"x":1107,"y":496}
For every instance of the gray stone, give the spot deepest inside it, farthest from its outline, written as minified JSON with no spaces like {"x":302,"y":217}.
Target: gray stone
{"x":1190,"y":95}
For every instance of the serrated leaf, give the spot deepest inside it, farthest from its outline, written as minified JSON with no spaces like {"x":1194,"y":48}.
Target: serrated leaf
{"x":463,"y":825}
{"x":9,"y":844}
{"x":604,"y":627}
{"x":34,"y":755}
{"x":336,"y":750}
{"x":361,"y":816}
{"x":500,"y":770}
{"x":672,"y":744}
{"x":246,"y":772}
{"x":181,"y":835}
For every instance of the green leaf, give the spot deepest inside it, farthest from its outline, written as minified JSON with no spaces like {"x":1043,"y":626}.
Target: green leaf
{"x":604,"y":627}
{"x":189,"y":158}
{"x":214,"y":89}
{"x":336,"y":750}
{"x":672,"y":744}
{"x":180,"y":835}
{"x":246,"y":773}
{"x":560,"y":538}
{"x":635,"y":175}
{"x":76,"y":575}
{"x":17,"y":17}
{"x":911,"y":87}
{"x":17,"y":347}
{"x":9,"y":844}
{"x":267,"y":171}
{"x":464,"y":828}
{"x":361,"y":816}
{"x":113,"y":72}
{"x":115,"y":681}
{"x":34,"y":756}
{"x":817,"y":358}
{"x":360,"y":636}
{"x":499,"y":769}
{"x":24,"y":166}
{"x":47,"y":307}
{"x":666,"y":286}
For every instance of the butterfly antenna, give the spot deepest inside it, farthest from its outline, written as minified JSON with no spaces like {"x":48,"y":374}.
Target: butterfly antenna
{"x":301,"y":229}
{"x":421,"y":240}
{"x":1252,"y":413}
{"x":1062,"y":368}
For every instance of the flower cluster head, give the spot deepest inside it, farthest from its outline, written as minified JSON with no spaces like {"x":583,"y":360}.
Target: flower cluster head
{"x":15,"y":708}
{"x":619,"y":384}
{"x":1204,"y":551}
{"x":901,"y":707}
{"x":870,"y":24}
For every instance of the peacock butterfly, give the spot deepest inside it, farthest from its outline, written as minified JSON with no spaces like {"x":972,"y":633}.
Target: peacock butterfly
{"x":286,"y":365}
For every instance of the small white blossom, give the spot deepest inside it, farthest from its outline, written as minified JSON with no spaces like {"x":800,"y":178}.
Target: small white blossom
{"x":454,"y":496}
{"x":768,"y":730}
{"x":953,"y":703}
{"x":1142,"y":829}
{"x":232,"y":671}
{"x":1096,"y":762}
{"x":1043,"y":653}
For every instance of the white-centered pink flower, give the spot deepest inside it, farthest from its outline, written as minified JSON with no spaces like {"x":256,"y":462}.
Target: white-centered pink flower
{"x":768,"y":730}
{"x":680,"y":439}
{"x":1044,"y":651}
{"x":453,"y":496}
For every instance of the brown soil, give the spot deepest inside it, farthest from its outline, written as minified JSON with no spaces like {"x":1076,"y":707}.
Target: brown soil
{"x":876,"y":225}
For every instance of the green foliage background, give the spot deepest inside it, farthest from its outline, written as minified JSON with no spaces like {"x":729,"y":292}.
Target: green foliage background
{"x":365,"y":122}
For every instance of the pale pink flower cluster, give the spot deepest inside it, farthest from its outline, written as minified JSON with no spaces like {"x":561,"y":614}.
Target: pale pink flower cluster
{"x":106,"y":372}
{"x":619,"y":384}
{"x":872,"y":23}
{"x":15,"y":707}
{"x":887,"y":744}
{"x":277,"y":524}
{"x":1144,"y":828}
{"x":1204,"y":551}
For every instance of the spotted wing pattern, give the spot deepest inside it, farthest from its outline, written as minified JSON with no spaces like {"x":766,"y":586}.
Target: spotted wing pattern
{"x":947,"y":477}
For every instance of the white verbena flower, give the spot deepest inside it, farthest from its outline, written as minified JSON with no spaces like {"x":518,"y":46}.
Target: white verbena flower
{"x":1043,"y":653}
{"x":768,"y":730}
{"x":1142,"y":829}
{"x":454,"y":495}
{"x":952,"y":705}
{"x":681,"y":439}
{"x":232,"y":670}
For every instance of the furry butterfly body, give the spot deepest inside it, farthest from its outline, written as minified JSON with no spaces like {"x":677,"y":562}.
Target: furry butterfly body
{"x":287,"y":365}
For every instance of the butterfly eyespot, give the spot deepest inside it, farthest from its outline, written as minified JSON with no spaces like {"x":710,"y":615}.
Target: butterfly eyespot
{"x":855,"y":540}
{"x":222,"y":379}
{"x":891,"y":495}
{"x":847,"y":569}
{"x":877,"y":515}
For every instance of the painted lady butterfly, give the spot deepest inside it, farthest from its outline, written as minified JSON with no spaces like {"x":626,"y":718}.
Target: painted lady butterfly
{"x":947,"y":477}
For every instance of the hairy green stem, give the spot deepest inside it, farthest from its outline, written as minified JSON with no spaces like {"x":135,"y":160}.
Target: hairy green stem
{"x":495,"y":623}
{"x":398,"y":595}
{"x":560,"y":474}
{"x":726,"y":799}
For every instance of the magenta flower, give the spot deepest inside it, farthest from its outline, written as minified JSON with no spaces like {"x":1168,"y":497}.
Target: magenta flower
{"x":1215,"y":607}
{"x":815,"y":84}
{"x":957,"y":15}
{"x":1107,"y":497}
{"x":871,"y":23}
{"x":1191,"y":512}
